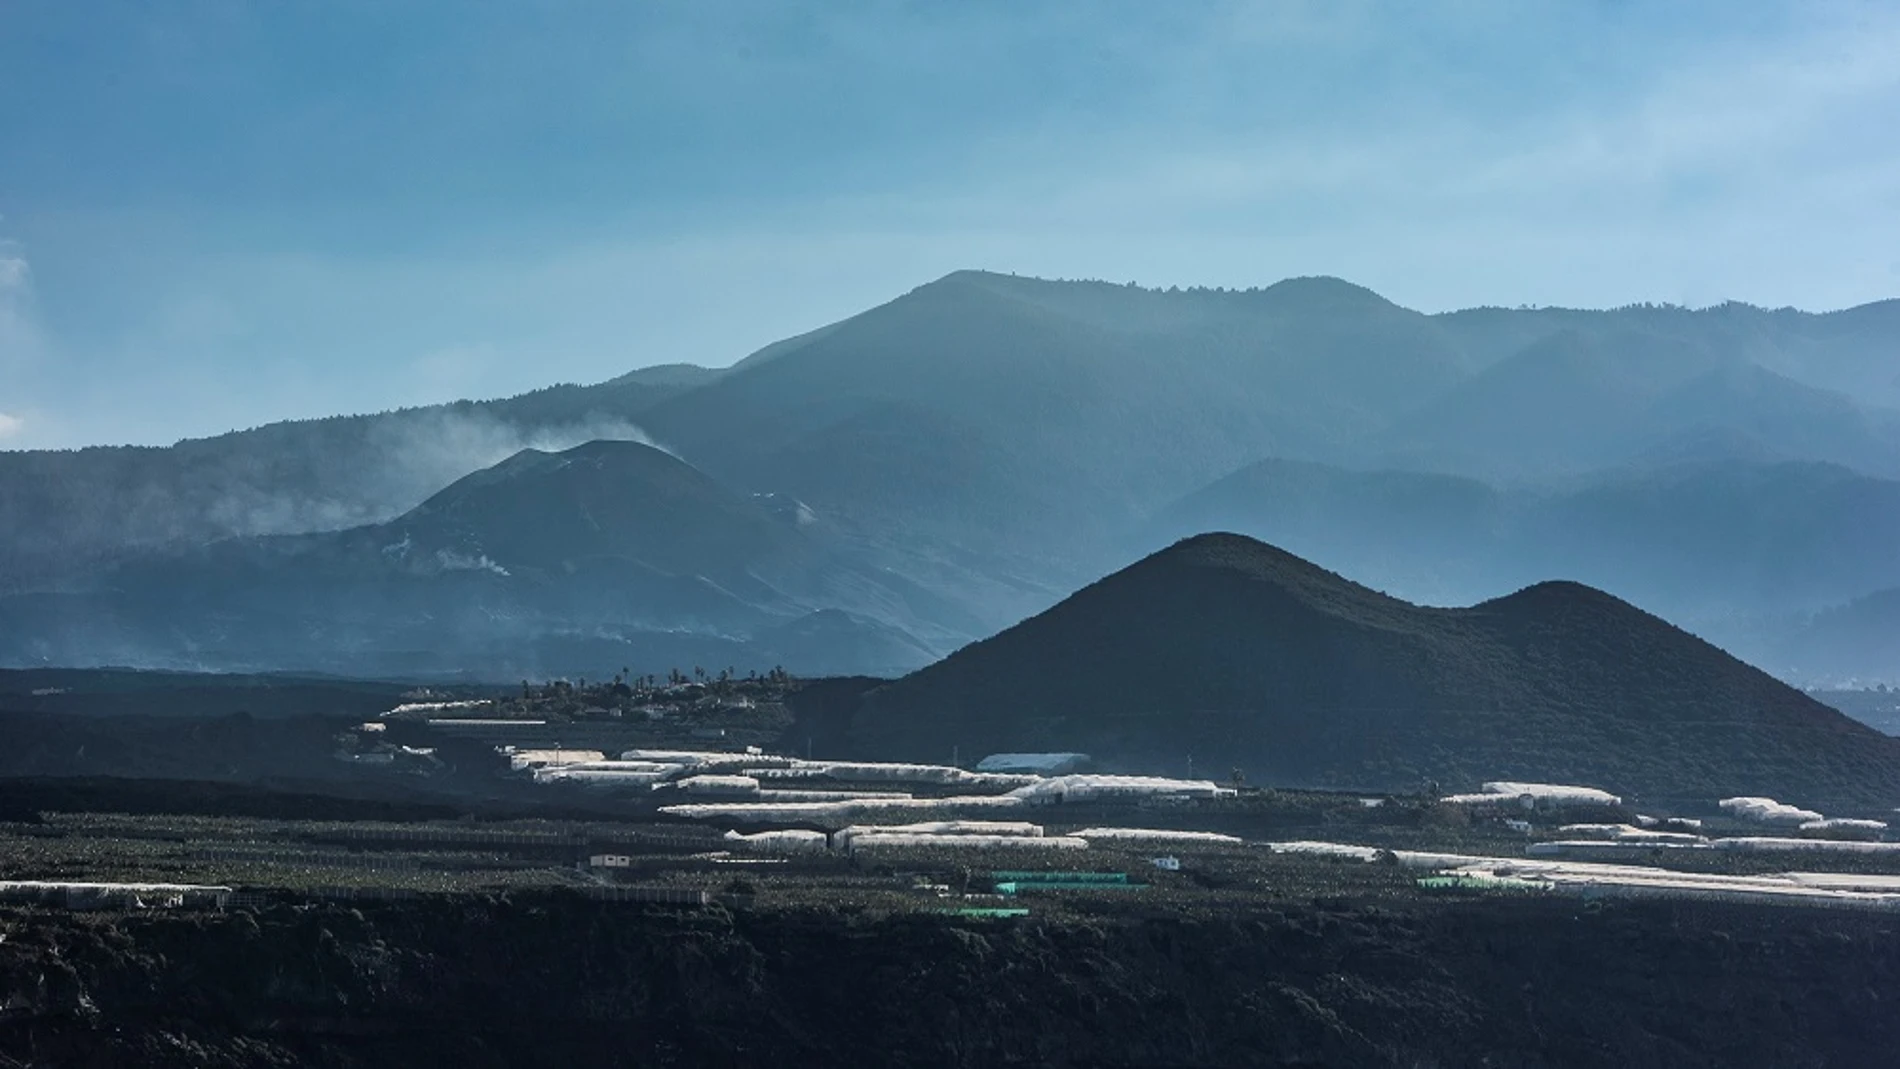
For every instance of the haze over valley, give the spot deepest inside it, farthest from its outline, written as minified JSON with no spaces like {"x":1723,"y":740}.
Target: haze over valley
{"x":938,"y":467}
{"x":1072,"y":534}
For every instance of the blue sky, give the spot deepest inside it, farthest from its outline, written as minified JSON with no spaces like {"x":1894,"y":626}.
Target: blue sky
{"x":218,"y":214}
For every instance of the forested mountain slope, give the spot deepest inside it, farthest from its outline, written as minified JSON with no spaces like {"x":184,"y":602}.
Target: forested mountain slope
{"x":1237,"y":654}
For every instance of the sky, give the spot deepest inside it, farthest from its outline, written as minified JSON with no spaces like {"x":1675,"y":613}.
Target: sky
{"x":220,"y":213}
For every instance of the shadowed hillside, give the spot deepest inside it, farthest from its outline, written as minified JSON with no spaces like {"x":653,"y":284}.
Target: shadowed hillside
{"x":1242,"y":655}
{"x":63,"y":509}
{"x":601,"y":500}
{"x":606,"y":555}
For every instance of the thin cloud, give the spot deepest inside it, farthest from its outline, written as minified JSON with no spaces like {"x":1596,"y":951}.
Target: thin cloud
{"x":1470,"y":153}
{"x":20,"y":335}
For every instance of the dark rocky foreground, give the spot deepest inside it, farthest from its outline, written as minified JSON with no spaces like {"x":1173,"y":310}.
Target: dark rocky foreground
{"x":555,"y":980}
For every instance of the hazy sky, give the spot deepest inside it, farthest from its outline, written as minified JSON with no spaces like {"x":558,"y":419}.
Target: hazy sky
{"x":217,"y":214}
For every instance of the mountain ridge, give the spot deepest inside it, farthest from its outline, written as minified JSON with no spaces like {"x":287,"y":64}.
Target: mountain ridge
{"x":1239,"y":654}
{"x":996,"y":441}
{"x":546,"y":562}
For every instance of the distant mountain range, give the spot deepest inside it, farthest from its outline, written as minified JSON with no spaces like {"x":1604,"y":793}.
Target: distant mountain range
{"x":968,"y":453}
{"x":1227,"y":653}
